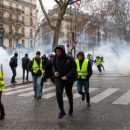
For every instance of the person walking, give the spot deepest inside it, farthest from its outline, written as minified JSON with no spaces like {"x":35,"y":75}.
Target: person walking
{"x":64,"y":68}
{"x":102,"y":61}
{"x":36,"y":68}
{"x":2,"y":112}
{"x":98,"y":64}
{"x":13,"y":64}
{"x":84,"y":70}
{"x":25,"y":61}
{"x":90,"y":58}
{"x":48,"y":71}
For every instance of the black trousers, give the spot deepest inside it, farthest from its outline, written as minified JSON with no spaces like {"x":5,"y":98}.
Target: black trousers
{"x":24,"y":74}
{"x":99,"y":68}
{"x":1,"y":105}
{"x":60,"y":85}
{"x":103,"y":67}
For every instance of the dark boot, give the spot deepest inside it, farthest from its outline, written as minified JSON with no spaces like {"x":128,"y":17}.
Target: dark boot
{"x":61,"y":114}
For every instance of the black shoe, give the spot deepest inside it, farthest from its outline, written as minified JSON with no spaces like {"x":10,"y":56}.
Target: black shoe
{"x":70,"y":112}
{"x":2,"y":117}
{"x":83,"y":97}
{"x":39,"y":97}
{"x":88,"y":105}
{"x":15,"y":82}
{"x":61,"y":114}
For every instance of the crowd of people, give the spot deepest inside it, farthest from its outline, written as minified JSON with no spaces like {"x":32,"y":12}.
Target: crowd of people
{"x":61,"y":69}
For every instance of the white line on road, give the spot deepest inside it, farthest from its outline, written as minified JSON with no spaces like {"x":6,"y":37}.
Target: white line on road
{"x":124,"y":99}
{"x":103,"y":95}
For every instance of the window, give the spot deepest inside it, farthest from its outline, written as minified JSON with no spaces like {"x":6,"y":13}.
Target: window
{"x":16,"y":6}
{"x":23,"y":19}
{"x":16,"y":18}
{"x":10,"y":5}
{"x":22,"y":9}
{"x":30,"y":21}
{"x":16,"y":42}
{"x":1,"y":2}
{"x":1,"y":15}
{"x":10,"y":42}
{"x":16,"y":32}
{"x":30,"y":32}
{"x":10,"y":16}
{"x":1,"y":25}
{"x":23,"y":44}
{"x":23,"y":31}
{"x":10,"y":30}
{"x":30,"y":1}
{"x":31,"y":44}
{"x":30,"y":11}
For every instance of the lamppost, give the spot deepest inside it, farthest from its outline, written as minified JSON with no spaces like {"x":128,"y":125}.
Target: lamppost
{"x":2,"y":33}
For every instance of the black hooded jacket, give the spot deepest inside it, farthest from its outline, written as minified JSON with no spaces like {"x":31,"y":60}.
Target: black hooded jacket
{"x":65,"y":65}
{"x":89,"y":67}
{"x":14,"y":61}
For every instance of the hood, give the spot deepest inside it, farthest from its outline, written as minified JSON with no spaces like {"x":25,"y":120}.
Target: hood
{"x":81,"y":53}
{"x":62,"y":47}
{"x":15,"y":54}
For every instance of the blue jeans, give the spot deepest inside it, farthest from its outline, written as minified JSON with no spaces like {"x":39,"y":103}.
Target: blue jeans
{"x":99,"y":68}
{"x":36,"y":85}
{"x":44,"y":79}
{"x":14,"y":75}
{"x":86,"y":88}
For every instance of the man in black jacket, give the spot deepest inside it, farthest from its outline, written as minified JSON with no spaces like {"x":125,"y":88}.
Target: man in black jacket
{"x":65,"y":73}
{"x":25,"y":61}
{"x":13,"y":65}
{"x":84,"y":70}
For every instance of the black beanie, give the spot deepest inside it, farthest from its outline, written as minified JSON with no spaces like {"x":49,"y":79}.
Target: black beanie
{"x":15,"y":54}
{"x":38,"y":53}
{"x":26,"y":55}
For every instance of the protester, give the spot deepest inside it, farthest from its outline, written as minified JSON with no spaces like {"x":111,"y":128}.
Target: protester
{"x":98,"y":64}
{"x":13,"y":64}
{"x":25,"y":61}
{"x":36,"y":68}
{"x":65,"y":73}
{"x":102,"y":61}
{"x":84,"y":70}
{"x":2,"y":112}
{"x":48,"y":71}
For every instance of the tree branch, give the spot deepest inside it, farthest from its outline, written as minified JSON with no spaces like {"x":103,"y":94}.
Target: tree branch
{"x":47,"y":17}
{"x":58,"y":3}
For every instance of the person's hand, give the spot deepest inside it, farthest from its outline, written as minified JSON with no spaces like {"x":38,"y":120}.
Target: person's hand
{"x":64,"y":78}
{"x":56,"y":74}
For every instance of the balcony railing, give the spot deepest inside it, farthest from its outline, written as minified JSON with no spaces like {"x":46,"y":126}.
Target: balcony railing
{"x":11,"y":20}
{"x":26,"y":3}
{"x":14,"y":34}
{"x":10,"y":8}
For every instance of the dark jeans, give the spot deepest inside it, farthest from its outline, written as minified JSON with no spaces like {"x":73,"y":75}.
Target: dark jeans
{"x":103,"y":67}
{"x":44,"y":79}
{"x":99,"y":68}
{"x":60,"y":85}
{"x":24,"y":74}
{"x":1,"y":105}
{"x":14,"y":75}
{"x":80,"y":85}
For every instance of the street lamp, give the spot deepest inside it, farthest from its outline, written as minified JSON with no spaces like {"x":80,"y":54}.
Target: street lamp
{"x":1,"y":33}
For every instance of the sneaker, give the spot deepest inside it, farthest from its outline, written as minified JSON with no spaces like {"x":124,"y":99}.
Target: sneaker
{"x":27,"y":80}
{"x":2,"y":117}
{"x":88,"y":105}
{"x":61,"y":114}
{"x":12,"y":82}
{"x":39,"y":97}
{"x":83,"y":97}
{"x":23,"y":81}
{"x":70,"y":112}
{"x":15,"y":82}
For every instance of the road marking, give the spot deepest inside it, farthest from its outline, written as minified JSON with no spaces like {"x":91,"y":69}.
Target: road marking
{"x":76,"y":95}
{"x":124,"y":99}
{"x":18,"y":91}
{"x":49,"y":95}
{"x":103,"y":95}
{"x":15,"y":88}
{"x":32,"y":93}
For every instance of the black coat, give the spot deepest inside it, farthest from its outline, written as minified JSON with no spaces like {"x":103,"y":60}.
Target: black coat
{"x":14,"y":62}
{"x":25,"y":61}
{"x":70,"y":68}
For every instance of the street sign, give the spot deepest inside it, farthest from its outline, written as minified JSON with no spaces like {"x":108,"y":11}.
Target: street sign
{"x":74,"y":44}
{"x":67,"y":45}
{"x":19,"y":46}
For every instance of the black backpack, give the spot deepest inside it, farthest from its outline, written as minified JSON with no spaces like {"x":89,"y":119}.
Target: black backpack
{"x":11,"y":62}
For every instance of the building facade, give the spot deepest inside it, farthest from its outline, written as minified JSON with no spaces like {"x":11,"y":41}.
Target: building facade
{"x":18,"y":18}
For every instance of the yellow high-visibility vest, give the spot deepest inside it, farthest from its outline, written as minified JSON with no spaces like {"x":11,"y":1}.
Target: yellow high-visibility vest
{"x":83,"y":72}
{"x":98,"y":62}
{"x":35,"y":66}
{"x":1,"y":82}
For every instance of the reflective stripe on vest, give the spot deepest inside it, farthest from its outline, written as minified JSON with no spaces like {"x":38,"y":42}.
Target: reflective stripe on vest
{"x":83,"y":72}
{"x":1,"y":80}
{"x":35,"y":67}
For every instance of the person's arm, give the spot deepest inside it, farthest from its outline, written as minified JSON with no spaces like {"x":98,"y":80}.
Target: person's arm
{"x":15,"y":62}
{"x":89,"y":71}
{"x":73,"y":70}
{"x":29,"y":66}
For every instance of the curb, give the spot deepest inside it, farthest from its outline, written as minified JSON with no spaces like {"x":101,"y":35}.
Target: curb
{"x":10,"y":85}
